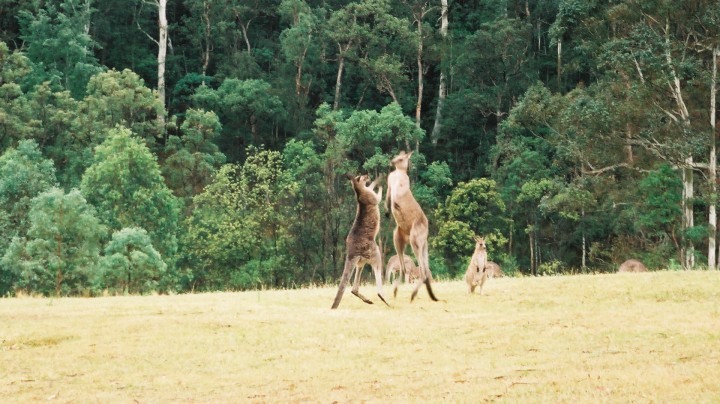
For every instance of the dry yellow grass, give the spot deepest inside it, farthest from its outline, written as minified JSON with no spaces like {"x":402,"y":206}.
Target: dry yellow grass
{"x":652,"y":337}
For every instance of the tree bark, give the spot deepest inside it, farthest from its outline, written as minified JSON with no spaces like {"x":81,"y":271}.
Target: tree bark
{"x":338,"y":79}
{"x":712,"y":166}
{"x":206,"y":51}
{"x":162,"y":53}
{"x":442,"y":93}
{"x":559,"y":64}
{"x":418,"y":106}
{"x":687,"y":251}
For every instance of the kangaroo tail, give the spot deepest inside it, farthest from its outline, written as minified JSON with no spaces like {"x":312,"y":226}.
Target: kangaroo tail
{"x":428,"y":274}
{"x":349,"y":265}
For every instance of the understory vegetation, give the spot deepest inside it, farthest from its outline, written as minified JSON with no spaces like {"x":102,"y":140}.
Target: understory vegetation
{"x":193,"y":145}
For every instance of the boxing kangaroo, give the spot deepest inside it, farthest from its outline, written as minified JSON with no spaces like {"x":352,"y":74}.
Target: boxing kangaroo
{"x":411,"y":222}
{"x":360,"y":242}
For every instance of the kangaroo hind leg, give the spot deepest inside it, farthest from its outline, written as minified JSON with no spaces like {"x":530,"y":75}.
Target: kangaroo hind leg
{"x":400,"y":243}
{"x":420,"y":248}
{"x":356,"y":283}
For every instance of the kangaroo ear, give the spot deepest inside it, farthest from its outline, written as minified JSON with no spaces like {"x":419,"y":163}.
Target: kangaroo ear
{"x":349,"y":176}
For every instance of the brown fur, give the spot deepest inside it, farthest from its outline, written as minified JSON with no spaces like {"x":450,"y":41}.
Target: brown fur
{"x":493,"y":270}
{"x":476,"y":273}
{"x":411,"y":222}
{"x":394,"y":269}
{"x":360,"y":242}
{"x":632,"y":265}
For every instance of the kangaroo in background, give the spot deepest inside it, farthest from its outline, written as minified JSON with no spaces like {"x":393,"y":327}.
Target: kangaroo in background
{"x":476,"y":273}
{"x":493,"y":270}
{"x":360,"y":242}
{"x":393,"y":268}
{"x":411,"y":222}
{"x":632,"y":265}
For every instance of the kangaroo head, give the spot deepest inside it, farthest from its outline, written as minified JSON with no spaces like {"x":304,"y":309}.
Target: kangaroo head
{"x":363,"y":189}
{"x":358,"y":182}
{"x":402,"y":160}
{"x":480,"y":254}
{"x":480,"y":244}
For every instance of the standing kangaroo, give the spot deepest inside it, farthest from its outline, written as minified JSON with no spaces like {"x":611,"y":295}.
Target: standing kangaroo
{"x":476,"y":273}
{"x":360,"y":242}
{"x":411,"y":222}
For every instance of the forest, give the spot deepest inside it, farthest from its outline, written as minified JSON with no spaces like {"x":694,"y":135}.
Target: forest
{"x":200,"y":145}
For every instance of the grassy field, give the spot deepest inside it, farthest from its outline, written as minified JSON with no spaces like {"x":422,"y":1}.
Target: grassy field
{"x":652,"y":337}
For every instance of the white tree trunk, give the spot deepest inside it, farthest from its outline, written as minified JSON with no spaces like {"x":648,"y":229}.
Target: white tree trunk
{"x":687,"y":250}
{"x":559,"y":64}
{"x":712,"y":167}
{"x":162,"y":53}
{"x":418,"y":106}
{"x":206,"y":51}
{"x":338,"y":79}
{"x":584,"y":241}
{"x":442,"y":93}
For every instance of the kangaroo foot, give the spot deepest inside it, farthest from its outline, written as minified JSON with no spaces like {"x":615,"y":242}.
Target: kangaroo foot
{"x":430,"y":291}
{"x":383,"y":299}
{"x":363,"y":298}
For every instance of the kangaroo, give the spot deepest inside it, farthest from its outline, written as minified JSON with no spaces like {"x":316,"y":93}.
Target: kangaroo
{"x":493,"y":270}
{"x":393,"y":269}
{"x":360,"y":242}
{"x":411,"y":222}
{"x":632,"y":265}
{"x":476,"y":273}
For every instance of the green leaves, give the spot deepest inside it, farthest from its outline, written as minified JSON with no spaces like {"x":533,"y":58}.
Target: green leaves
{"x":60,"y":253}
{"x":125,"y":185}
{"x":474,"y":208}
{"x":24,"y":173}
{"x":193,"y":158}
{"x":58,"y":43}
{"x":238,"y":224}
{"x":371,"y":137}
{"x":131,"y":264}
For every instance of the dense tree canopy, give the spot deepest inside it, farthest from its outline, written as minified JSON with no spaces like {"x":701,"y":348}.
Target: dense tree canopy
{"x":571,"y":134}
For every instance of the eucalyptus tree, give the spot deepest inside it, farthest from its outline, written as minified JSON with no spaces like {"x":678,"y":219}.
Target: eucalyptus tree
{"x":473,"y":208}
{"x":59,"y":255}
{"x":442,"y":90}
{"x":16,"y":117}
{"x":193,"y":158}
{"x":245,"y":37}
{"x":365,"y":31}
{"x":162,"y":44}
{"x":664,"y":52}
{"x":237,"y":234}
{"x":125,"y":185}
{"x":24,"y":173}
{"x":300,"y":39}
{"x":130,"y":263}
{"x":250,"y":112}
{"x":308,"y":209}
{"x":419,"y":11}
{"x":121,"y":98}
{"x":57,"y":40}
